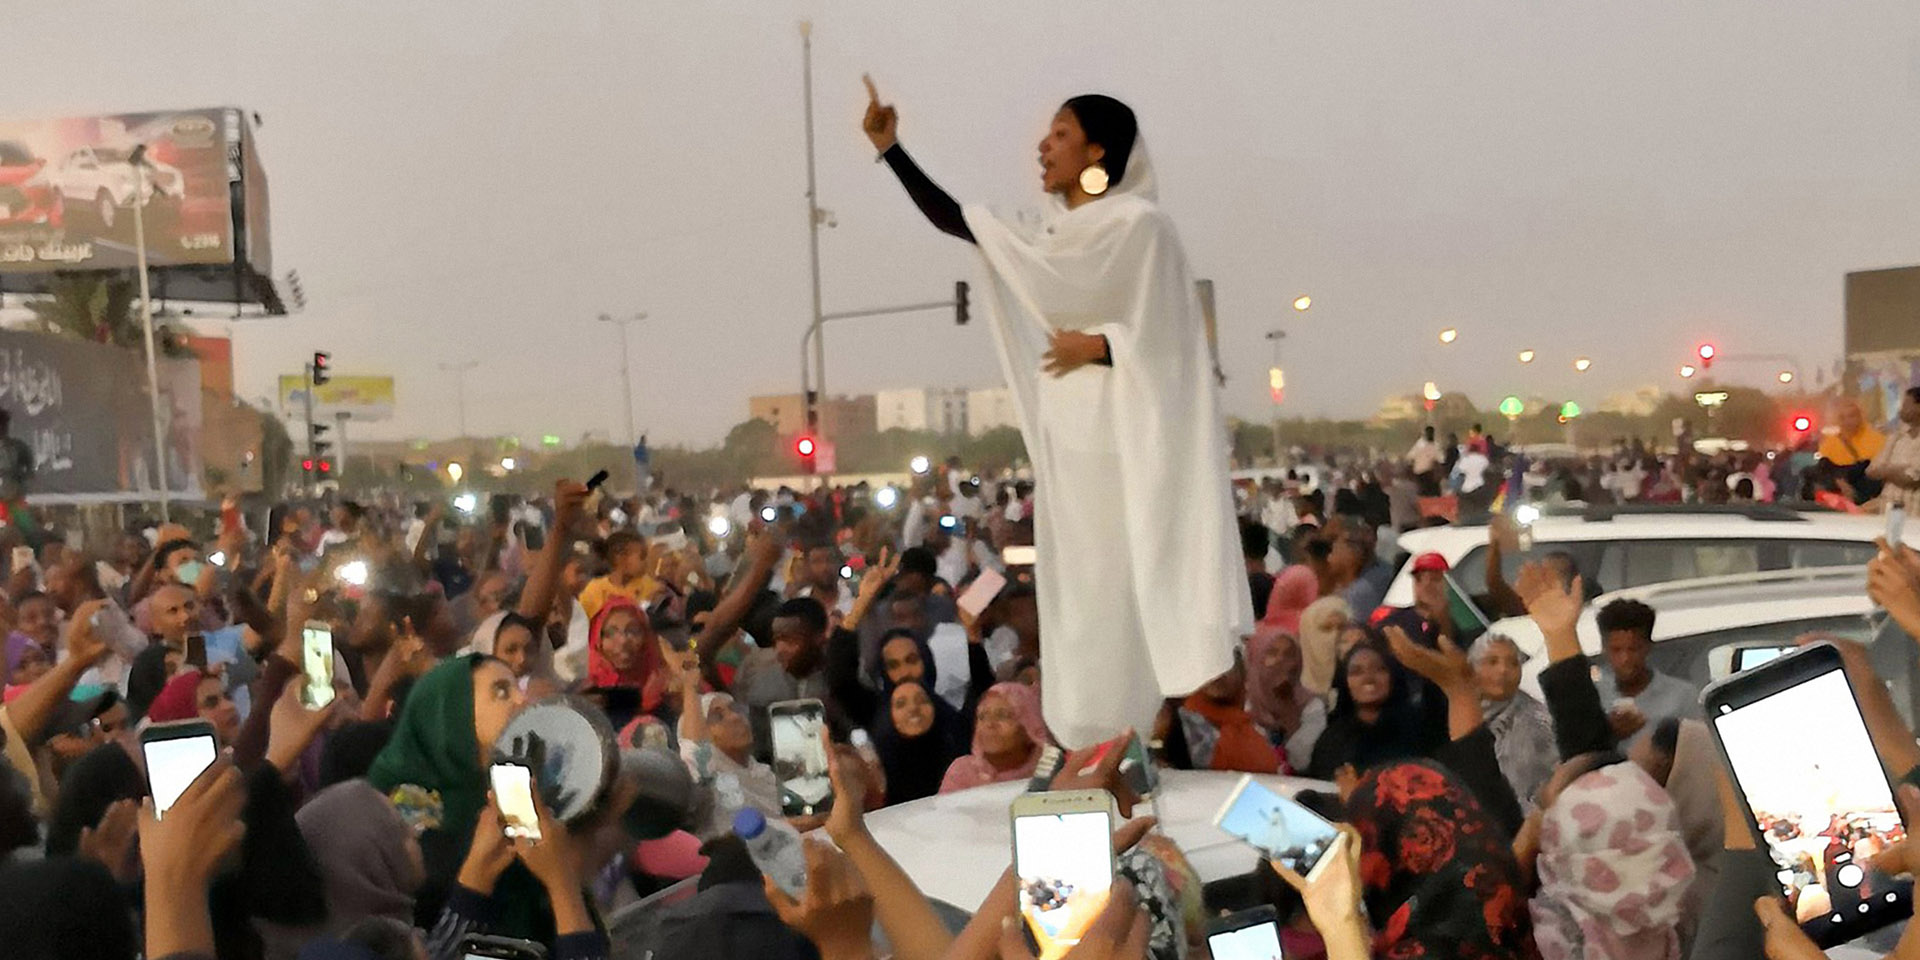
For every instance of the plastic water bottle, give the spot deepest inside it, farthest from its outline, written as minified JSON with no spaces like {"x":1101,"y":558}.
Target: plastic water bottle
{"x":775,"y":848}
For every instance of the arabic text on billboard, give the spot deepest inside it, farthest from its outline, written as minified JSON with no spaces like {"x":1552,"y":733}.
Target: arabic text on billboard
{"x":68,"y":190}
{"x":82,"y":407}
{"x":356,"y":397}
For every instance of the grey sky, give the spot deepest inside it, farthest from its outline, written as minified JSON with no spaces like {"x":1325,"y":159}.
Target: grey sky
{"x":479,"y":180}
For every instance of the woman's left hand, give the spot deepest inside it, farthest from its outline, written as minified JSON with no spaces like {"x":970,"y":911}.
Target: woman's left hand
{"x":1070,"y":350}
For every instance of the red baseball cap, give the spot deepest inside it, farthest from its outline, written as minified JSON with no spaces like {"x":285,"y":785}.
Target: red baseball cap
{"x":1431,"y":563}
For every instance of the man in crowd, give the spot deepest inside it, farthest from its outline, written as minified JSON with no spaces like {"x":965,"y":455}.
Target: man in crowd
{"x":1255,"y":541}
{"x":793,"y":668}
{"x":1636,"y":696}
{"x":1898,"y":465}
{"x":1356,"y":563}
{"x":1424,"y":461}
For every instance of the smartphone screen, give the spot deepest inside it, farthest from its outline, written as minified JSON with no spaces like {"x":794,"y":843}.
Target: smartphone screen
{"x":1277,"y":826}
{"x":316,"y":650}
{"x":985,"y":588}
{"x":1247,"y":935}
{"x":172,"y":765}
{"x":1746,"y":658}
{"x":513,"y":791}
{"x":1065,"y":866}
{"x":1896,"y":526}
{"x":1019,"y":556}
{"x":800,"y":758}
{"x":1801,"y":756}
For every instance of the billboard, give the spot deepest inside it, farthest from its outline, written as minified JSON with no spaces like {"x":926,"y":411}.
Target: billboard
{"x":68,"y":190}
{"x":82,"y":407}
{"x":1883,"y":311}
{"x":358,"y":398}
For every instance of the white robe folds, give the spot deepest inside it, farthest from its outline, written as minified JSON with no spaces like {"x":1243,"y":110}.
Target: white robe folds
{"x":1142,"y":590}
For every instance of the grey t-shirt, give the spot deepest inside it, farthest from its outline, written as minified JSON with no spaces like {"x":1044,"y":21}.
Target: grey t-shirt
{"x":1665,"y":696}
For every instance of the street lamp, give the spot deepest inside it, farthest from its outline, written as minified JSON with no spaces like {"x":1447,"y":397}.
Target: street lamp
{"x":455,"y":471}
{"x":1786,"y":376}
{"x":508,"y":463}
{"x":1687,"y":370}
{"x":1526,"y":356}
{"x":1449,"y":335}
{"x":1431,"y":391}
{"x":920,"y":465}
{"x":1301,"y":303}
{"x":1581,"y":365}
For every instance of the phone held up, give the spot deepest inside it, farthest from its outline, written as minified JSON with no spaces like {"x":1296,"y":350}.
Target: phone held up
{"x":513,"y":792}
{"x":800,"y":758}
{"x":1813,"y":789}
{"x":1278,"y":826}
{"x":316,"y":658}
{"x":1248,"y":935}
{"x":175,"y":754}
{"x":1063,"y":862}
{"x":482,"y":947}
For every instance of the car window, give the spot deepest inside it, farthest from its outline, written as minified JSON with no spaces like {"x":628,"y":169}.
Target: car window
{"x":13,"y":154}
{"x":1686,"y":657}
{"x":1828,"y":553}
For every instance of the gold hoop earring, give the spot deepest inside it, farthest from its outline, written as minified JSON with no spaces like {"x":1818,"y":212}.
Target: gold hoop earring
{"x":1093,"y":180}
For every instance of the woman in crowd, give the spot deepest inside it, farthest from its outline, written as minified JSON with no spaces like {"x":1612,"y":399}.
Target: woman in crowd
{"x":1008,"y":737}
{"x":1220,"y":733}
{"x":195,"y":695}
{"x":623,"y":655}
{"x":1279,"y":702}
{"x":370,"y":864}
{"x":434,"y":769}
{"x":1373,"y":719}
{"x":1681,"y":757}
{"x":1522,"y":730}
{"x":1613,"y":868}
{"x":1294,"y":590}
{"x":1439,"y":874}
{"x":1320,"y":626}
{"x":918,"y":736}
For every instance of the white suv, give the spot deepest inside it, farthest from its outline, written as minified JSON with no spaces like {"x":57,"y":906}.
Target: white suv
{"x":1638,"y":545}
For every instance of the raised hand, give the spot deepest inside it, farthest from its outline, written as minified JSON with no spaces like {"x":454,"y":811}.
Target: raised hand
{"x":291,"y":728}
{"x":491,"y":852}
{"x":1554,"y":606}
{"x":1447,"y":667}
{"x":849,"y":775}
{"x":836,"y":909}
{"x":111,"y":841}
{"x":882,"y":122}
{"x":1069,"y":350}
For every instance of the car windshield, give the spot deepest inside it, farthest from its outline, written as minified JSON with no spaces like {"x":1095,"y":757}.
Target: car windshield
{"x":107,"y":155}
{"x":12,"y":154}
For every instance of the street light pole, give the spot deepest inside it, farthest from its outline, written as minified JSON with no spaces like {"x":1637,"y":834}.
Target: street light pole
{"x":138,"y":160}
{"x":626,"y":380}
{"x":814,"y":217}
{"x":1274,"y":337}
{"x":459,"y":371}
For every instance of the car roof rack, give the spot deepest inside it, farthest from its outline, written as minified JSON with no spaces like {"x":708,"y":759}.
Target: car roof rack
{"x":1763,"y":512}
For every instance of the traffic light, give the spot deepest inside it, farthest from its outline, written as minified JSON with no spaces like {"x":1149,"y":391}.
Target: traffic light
{"x":318,"y":447}
{"x":807,"y":448}
{"x":326,"y":467}
{"x":960,"y":290}
{"x":322,"y":371}
{"x":306,"y":466}
{"x":1707,"y":352}
{"x":1800,"y":427}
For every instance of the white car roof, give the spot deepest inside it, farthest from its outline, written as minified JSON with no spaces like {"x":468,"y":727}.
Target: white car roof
{"x":1687,"y":608}
{"x":1762,"y":522}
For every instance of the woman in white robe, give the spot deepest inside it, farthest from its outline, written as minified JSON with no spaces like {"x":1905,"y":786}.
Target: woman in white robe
{"x":1142,"y":591}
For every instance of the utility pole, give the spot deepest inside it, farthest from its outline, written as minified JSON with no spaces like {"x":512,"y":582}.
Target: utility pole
{"x":626,"y":380}
{"x":138,"y":160}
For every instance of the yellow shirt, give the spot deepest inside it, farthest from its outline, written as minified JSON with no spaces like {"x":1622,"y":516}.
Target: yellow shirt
{"x":1865,"y":444}
{"x":599,"y":590}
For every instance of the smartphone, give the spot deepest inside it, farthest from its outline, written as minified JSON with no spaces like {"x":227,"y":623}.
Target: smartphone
{"x":1019,"y":556}
{"x":594,"y":482}
{"x":800,"y":758}
{"x":1896,"y":526}
{"x":175,"y":753}
{"x":1136,"y":768}
{"x":513,"y":791}
{"x":499,"y":508}
{"x":316,"y":658}
{"x":1248,"y":935}
{"x":197,"y":651}
{"x":982,"y":592}
{"x":1277,"y":826}
{"x":1063,"y":860}
{"x":1813,"y":790}
{"x":482,"y":947}
{"x":1746,"y":658}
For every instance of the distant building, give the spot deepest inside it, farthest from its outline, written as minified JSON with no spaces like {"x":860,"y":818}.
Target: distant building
{"x":841,"y":416}
{"x":936,"y":409}
{"x":990,"y":409}
{"x":1638,"y":403}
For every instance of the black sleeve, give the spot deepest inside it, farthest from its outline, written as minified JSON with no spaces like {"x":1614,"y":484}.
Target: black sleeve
{"x":278,"y":872}
{"x":980,"y":676}
{"x":1579,"y":723}
{"x":940,"y":209}
{"x":1472,"y":759}
{"x":857,"y":703}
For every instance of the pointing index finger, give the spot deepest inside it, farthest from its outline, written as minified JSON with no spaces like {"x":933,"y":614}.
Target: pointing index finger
{"x":873,"y":94}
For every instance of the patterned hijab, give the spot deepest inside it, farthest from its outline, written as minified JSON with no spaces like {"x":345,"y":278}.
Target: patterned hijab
{"x":1613,"y":870}
{"x":1439,"y":874}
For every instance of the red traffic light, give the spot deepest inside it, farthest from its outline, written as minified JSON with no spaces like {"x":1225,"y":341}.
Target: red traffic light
{"x":326,"y":466}
{"x":307,"y":465}
{"x":805,"y":446}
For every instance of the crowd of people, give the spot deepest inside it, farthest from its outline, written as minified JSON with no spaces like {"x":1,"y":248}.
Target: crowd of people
{"x":1485,"y":822}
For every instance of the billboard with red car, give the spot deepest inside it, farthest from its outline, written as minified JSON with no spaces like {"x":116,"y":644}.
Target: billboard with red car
{"x":70,"y":189}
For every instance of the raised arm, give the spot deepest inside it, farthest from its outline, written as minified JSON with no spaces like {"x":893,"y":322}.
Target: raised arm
{"x":763,"y":551}
{"x":543,"y":577}
{"x":882,"y":126}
